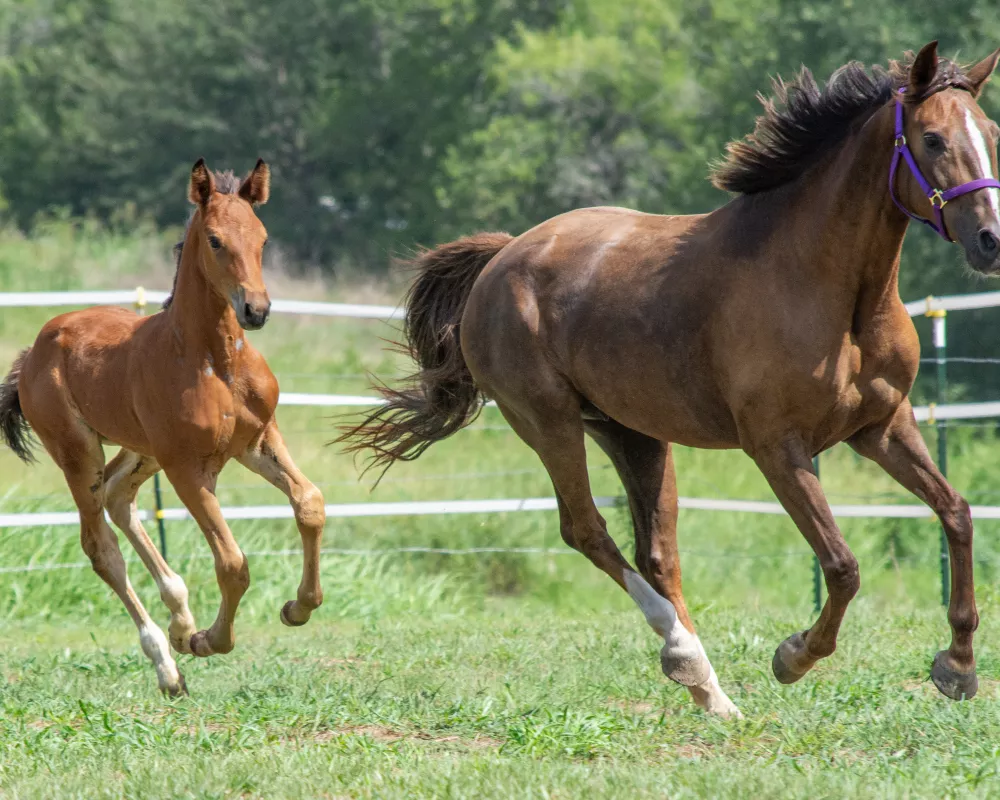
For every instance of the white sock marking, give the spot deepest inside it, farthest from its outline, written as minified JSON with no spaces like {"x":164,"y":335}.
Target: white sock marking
{"x":979,"y":145}
{"x":680,"y":642}
{"x":154,"y":645}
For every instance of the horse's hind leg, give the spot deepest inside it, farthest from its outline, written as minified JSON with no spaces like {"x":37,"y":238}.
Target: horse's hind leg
{"x":81,"y":458}
{"x":123,"y":477}
{"x":646,"y":469}
{"x":269,"y":458}
{"x":552,"y":426}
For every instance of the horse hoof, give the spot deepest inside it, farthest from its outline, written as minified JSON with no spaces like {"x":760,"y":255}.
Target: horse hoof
{"x":286,"y":620}
{"x":199,"y":645}
{"x":950,"y":682}
{"x":789,"y":651}
{"x":685,"y":669}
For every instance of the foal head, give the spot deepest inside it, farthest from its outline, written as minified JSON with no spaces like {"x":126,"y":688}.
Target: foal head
{"x":231,"y":239}
{"x":953,"y":143}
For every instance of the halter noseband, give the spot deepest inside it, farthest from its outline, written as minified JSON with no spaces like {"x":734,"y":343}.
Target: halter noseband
{"x":937,"y":197}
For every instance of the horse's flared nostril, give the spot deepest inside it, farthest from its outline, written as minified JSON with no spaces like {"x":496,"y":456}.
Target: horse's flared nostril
{"x":989,"y":245}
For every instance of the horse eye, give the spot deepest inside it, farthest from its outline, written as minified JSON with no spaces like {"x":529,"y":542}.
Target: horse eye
{"x":933,"y":142}
{"x":214,"y":242}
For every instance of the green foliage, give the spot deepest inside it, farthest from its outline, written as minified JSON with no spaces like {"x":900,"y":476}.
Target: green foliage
{"x":392,"y":123}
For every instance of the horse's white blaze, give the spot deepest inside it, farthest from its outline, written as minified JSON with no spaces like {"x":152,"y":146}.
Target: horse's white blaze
{"x":983,"y":155}
{"x":680,"y":642}
{"x":154,"y":645}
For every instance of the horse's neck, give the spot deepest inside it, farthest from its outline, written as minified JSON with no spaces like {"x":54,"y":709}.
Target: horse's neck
{"x":202,"y":320}
{"x":860,"y":229}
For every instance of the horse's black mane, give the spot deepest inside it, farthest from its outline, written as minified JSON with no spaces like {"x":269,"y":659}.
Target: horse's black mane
{"x":227,"y":182}
{"x":801,"y":122}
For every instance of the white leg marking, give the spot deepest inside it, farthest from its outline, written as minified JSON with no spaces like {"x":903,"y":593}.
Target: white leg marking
{"x":979,"y":145}
{"x":174,"y":594}
{"x":154,"y":645}
{"x":679,"y":642}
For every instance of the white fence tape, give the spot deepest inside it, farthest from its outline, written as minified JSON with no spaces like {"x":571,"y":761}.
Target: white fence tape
{"x":962,"y":302}
{"x":440,"y":507}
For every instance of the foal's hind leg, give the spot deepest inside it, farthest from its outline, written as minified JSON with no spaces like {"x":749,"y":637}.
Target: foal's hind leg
{"x":646,"y":469}
{"x":123,"y":477}
{"x":269,"y":458}
{"x":82,"y":461}
{"x":554,"y":429}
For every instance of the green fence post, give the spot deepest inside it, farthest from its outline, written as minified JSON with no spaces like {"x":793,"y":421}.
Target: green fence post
{"x":140,"y":307}
{"x":817,"y":582}
{"x":939,"y":316}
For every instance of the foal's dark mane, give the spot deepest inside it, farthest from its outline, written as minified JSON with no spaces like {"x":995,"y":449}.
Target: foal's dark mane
{"x":225,"y":183}
{"x":801,"y":122}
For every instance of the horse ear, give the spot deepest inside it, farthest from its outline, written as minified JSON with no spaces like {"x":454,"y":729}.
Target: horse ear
{"x":202,"y":184}
{"x":980,"y":73}
{"x":923,"y":69}
{"x":257,"y":186}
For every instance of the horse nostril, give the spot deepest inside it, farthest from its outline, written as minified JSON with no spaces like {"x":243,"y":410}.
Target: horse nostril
{"x":248,"y":311}
{"x":988,"y":243}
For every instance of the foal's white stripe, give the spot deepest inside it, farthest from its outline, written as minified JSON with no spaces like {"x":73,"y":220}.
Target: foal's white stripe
{"x":979,"y":145}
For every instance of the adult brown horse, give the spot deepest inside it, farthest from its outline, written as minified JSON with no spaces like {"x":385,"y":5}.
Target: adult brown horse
{"x":772,"y":324}
{"x":182,"y":391}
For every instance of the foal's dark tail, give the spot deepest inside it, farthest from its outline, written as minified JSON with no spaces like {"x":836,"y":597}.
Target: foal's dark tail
{"x":14,"y":427}
{"x":441,"y":397}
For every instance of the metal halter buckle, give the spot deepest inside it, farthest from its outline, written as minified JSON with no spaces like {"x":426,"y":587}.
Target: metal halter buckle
{"x":937,"y":199}
{"x":900,"y":142}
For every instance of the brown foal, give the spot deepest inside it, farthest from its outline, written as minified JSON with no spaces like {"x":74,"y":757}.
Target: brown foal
{"x":182,"y":391}
{"x":773,"y":324}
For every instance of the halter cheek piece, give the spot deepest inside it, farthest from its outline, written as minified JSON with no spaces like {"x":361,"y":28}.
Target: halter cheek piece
{"x":937,"y":197}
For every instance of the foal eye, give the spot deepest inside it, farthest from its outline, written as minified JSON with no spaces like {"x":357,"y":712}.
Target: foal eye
{"x":933,"y":142}
{"x":214,"y":242}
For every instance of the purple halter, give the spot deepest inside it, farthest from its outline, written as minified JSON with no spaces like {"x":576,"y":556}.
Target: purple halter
{"x":937,"y":197}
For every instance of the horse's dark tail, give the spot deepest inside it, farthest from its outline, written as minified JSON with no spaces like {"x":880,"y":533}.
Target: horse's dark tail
{"x":441,"y":397}
{"x":14,"y":427}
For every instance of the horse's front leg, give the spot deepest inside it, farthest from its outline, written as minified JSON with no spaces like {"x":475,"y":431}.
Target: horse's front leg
{"x":788,"y":469}
{"x":269,"y":458}
{"x":897,"y":446}
{"x":195,"y":485}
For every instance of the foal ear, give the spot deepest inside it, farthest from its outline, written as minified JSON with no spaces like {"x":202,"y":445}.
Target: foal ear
{"x":980,"y":73}
{"x":202,"y":184}
{"x":257,"y":186}
{"x":923,"y":69}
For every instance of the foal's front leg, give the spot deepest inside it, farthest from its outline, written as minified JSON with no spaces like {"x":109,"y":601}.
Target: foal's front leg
{"x":195,"y":485}
{"x":897,"y":446}
{"x":788,"y":469}
{"x":269,"y":458}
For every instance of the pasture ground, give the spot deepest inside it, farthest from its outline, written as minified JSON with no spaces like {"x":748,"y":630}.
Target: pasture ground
{"x":501,"y":675}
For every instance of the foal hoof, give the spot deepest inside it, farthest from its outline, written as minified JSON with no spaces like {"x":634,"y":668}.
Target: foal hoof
{"x":287,"y":620}
{"x":950,"y":682}
{"x":179,"y":689}
{"x":199,"y":645}
{"x":787,"y":662}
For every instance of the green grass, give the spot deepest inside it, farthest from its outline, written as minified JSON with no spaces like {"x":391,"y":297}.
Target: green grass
{"x":499,"y":675}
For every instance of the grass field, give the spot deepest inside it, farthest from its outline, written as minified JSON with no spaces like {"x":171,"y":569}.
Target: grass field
{"x":498,"y":675}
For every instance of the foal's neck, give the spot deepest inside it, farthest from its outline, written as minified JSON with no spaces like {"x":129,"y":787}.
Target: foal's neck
{"x":203,"y":320}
